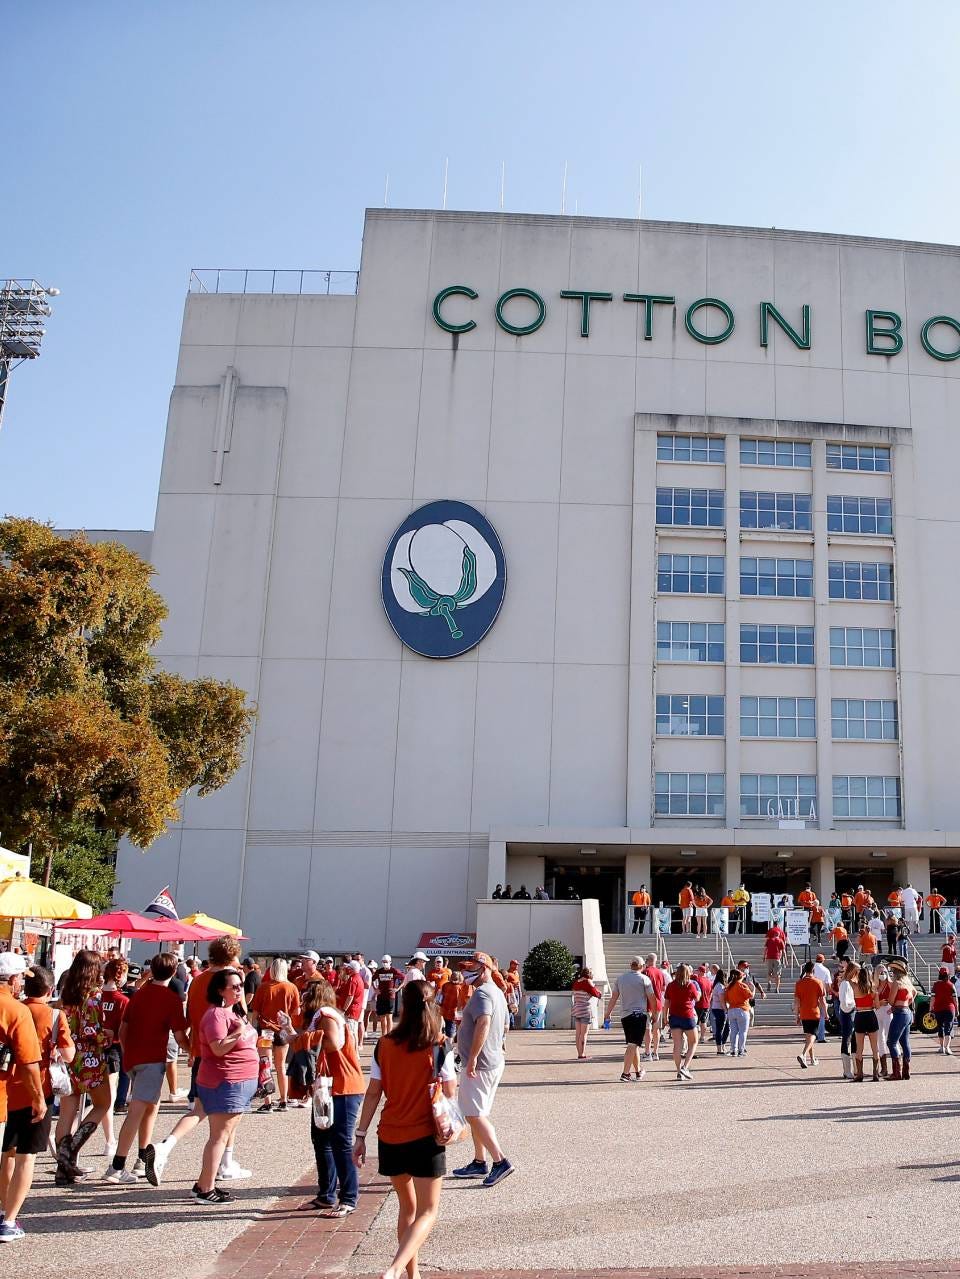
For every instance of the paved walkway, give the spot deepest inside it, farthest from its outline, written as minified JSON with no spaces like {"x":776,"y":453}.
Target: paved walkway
{"x":755,"y":1168}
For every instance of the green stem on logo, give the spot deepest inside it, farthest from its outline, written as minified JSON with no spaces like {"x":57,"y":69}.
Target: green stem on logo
{"x":444,"y":608}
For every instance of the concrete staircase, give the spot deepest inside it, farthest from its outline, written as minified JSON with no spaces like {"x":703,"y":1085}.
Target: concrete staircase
{"x":683,"y":948}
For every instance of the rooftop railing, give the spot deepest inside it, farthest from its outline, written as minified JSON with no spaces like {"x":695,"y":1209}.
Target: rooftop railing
{"x":243,"y":280}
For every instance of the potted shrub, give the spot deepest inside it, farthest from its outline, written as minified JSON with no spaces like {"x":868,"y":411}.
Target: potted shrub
{"x":548,"y":973}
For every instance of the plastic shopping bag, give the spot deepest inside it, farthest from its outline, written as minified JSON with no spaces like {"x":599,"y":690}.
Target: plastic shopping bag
{"x":448,"y":1121}
{"x":323,"y":1102}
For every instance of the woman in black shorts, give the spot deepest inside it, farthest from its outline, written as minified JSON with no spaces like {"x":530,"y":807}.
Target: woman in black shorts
{"x":404,"y":1063}
{"x":865,"y":1023}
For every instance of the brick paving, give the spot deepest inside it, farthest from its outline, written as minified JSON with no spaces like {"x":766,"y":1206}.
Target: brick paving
{"x":295,"y":1242}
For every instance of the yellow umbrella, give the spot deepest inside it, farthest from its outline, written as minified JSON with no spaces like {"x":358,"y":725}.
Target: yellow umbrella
{"x":21,"y":898}
{"x":207,"y":921}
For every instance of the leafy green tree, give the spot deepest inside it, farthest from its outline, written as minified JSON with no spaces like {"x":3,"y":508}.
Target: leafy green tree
{"x":85,"y":866}
{"x":92,"y":734}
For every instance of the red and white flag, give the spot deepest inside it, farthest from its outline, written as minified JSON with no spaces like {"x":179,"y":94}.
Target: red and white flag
{"x":162,"y":905}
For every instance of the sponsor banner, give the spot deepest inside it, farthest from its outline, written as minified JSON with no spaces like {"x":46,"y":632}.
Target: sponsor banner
{"x":720,"y":919}
{"x":663,"y":919}
{"x":948,"y":919}
{"x":798,"y":928}
{"x":455,"y":945}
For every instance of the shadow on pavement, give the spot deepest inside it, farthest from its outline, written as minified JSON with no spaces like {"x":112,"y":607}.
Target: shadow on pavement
{"x":871,"y":1114}
{"x":85,"y":1211}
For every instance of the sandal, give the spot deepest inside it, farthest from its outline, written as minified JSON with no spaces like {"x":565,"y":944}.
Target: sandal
{"x":342,"y":1210}
{"x":316,"y":1203}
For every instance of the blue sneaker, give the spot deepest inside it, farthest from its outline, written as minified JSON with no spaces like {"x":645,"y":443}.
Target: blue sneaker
{"x":475,"y":1168}
{"x":9,"y":1230}
{"x":500,"y":1169}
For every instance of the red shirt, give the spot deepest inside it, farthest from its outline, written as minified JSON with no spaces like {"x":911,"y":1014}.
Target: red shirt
{"x":944,"y":997}
{"x":151,"y":1014}
{"x":948,"y":955}
{"x":705,"y":982}
{"x":774,"y":946}
{"x":112,"y":1005}
{"x":351,"y":996}
{"x":658,"y":980}
{"x":240,"y":1063}
{"x":682,"y":998}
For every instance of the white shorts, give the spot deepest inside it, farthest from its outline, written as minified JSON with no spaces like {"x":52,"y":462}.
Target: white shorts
{"x":687,"y":912}
{"x":477,"y":1093}
{"x":701,"y":912}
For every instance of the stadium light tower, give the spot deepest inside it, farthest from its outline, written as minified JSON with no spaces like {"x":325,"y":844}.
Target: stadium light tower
{"x":23,"y":310}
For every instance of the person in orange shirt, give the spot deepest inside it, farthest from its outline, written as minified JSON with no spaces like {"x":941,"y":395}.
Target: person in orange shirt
{"x":846,"y":908}
{"x":818,"y":918}
{"x":862,"y":900}
{"x":701,"y":907}
{"x":513,"y":990}
{"x":641,"y":907}
{"x":809,"y":1006}
{"x":736,"y":999}
{"x":276,"y":995}
{"x":894,"y":900}
{"x":866,"y":941}
{"x":807,"y":898}
{"x":841,"y":940}
{"x":934,"y":900}
{"x":686,"y":906}
{"x":438,"y":974}
{"x":453,"y":997}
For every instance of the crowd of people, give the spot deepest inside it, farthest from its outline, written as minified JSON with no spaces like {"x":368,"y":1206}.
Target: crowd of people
{"x":106,"y":1040}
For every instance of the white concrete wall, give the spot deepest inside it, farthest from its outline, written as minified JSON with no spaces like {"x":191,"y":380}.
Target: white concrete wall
{"x":373,"y":778}
{"x":510,"y":930}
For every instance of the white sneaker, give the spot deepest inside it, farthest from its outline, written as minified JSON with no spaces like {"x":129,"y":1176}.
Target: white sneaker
{"x":233,"y":1172}
{"x":110,"y":1151}
{"x":139,"y":1168}
{"x":158,"y":1160}
{"x":120,"y":1177}
{"x":178,"y":1096}
{"x":948,"y":1051}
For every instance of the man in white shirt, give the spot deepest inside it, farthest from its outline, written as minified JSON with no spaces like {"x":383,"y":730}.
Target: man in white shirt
{"x":825,"y":977}
{"x":911,"y":907}
{"x":416,"y":969}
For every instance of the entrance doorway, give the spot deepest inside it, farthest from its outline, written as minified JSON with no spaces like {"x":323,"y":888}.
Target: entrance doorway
{"x":877,"y":880}
{"x":668,"y":880}
{"x":602,"y":883}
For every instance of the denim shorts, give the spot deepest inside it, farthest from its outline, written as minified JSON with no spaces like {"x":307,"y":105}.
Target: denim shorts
{"x":232,"y":1097}
{"x":682,"y":1023}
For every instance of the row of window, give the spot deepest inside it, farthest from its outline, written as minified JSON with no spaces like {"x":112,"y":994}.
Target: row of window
{"x":790,"y":578}
{"x":852,"y":718}
{"x":774,"y":795}
{"x":866,"y":646}
{"x":783,"y":512}
{"x":840,"y":457}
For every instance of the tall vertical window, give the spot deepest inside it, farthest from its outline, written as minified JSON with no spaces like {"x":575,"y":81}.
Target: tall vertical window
{"x":690,"y":508}
{"x":790,"y":578}
{"x":790,"y":512}
{"x":864,"y":720}
{"x":777,"y":645}
{"x":774,"y":453}
{"x":690,"y":574}
{"x":690,"y":448}
{"x":778,"y":795}
{"x":859,"y":580}
{"x":688,"y":795}
{"x":857,"y":457}
{"x":866,"y":796}
{"x":862,"y":646}
{"x":690,"y":642}
{"x":680,"y":715}
{"x":859,"y":514}
{"x":778,"y":717}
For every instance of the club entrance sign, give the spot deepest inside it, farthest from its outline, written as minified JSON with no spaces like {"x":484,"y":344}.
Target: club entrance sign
{"x":939,"y":335}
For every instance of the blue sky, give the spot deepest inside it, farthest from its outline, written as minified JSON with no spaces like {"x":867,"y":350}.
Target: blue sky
{"x":156,"y":138}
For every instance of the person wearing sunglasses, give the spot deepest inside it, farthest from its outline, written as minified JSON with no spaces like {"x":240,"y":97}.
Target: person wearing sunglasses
{"x":226,"y":1080}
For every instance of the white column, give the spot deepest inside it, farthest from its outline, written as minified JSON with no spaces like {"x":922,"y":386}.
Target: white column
{"x":914,"y":869}
{"x":637,"y":872}
{"x":496,"y":865}
{"x":823,"y":876}
{"x":732,"y":872}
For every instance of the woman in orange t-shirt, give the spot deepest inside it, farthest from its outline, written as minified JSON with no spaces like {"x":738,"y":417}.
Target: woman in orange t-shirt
{"x":404,"y":1064}
{"x":326,"y":1032}
{"x":736,"y":998}
{"x":451,"y":1000}
{"x":276,"y":995}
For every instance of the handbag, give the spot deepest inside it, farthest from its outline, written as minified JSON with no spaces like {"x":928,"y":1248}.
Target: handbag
{"x":61,"y":1085}
{"x":323,"y":1102}
{"x":449,"y":1124}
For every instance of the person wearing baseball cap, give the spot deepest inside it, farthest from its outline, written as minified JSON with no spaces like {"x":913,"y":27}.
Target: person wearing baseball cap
{"x":309,"y":962}
{"x":416,"y":968}
{"x":480,"y":1045}
{"x":386,"y":983}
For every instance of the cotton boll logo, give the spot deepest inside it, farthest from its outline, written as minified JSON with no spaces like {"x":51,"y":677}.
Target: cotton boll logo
{"x":443,"y":579}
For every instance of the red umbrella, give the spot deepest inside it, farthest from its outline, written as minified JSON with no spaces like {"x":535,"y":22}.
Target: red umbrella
{"x":122,"y":923}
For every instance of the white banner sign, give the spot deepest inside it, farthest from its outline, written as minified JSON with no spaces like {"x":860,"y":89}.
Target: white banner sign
{"x":798,"y":928}
{"x":663,"y":919}
{"x":721,"y":919}
{"x":760,"y":907}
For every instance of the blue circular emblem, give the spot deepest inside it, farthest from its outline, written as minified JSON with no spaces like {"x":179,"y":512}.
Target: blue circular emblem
{"x":443,"y":579}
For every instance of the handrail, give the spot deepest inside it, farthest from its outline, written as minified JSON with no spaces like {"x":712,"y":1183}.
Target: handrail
{"x":920,"y":960}
{"x":219,"y":279}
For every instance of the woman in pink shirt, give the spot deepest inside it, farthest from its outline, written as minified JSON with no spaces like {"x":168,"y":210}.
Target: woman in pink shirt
{"x":227,"y":1078}
{"x":585,"y":996}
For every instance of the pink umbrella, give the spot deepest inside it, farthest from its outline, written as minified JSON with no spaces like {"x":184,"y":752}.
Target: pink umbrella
{"x":121,"y":923}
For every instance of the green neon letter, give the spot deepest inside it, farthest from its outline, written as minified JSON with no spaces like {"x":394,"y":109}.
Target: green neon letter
{"x":649,"y":300}
{"x":466,"y":291}
{"x":890,"y":334}
{"x":928,"y":345}
{"x":769,"y":312}
{"x":520,"y":329}
{"x":586,"y":296}
{"x":705,"y":338}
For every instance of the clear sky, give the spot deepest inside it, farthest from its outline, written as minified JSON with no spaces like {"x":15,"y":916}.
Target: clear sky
{"x":146,"y":139}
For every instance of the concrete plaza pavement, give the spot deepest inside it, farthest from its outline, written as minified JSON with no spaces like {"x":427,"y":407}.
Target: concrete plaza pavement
{"x":754,"y":1163}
